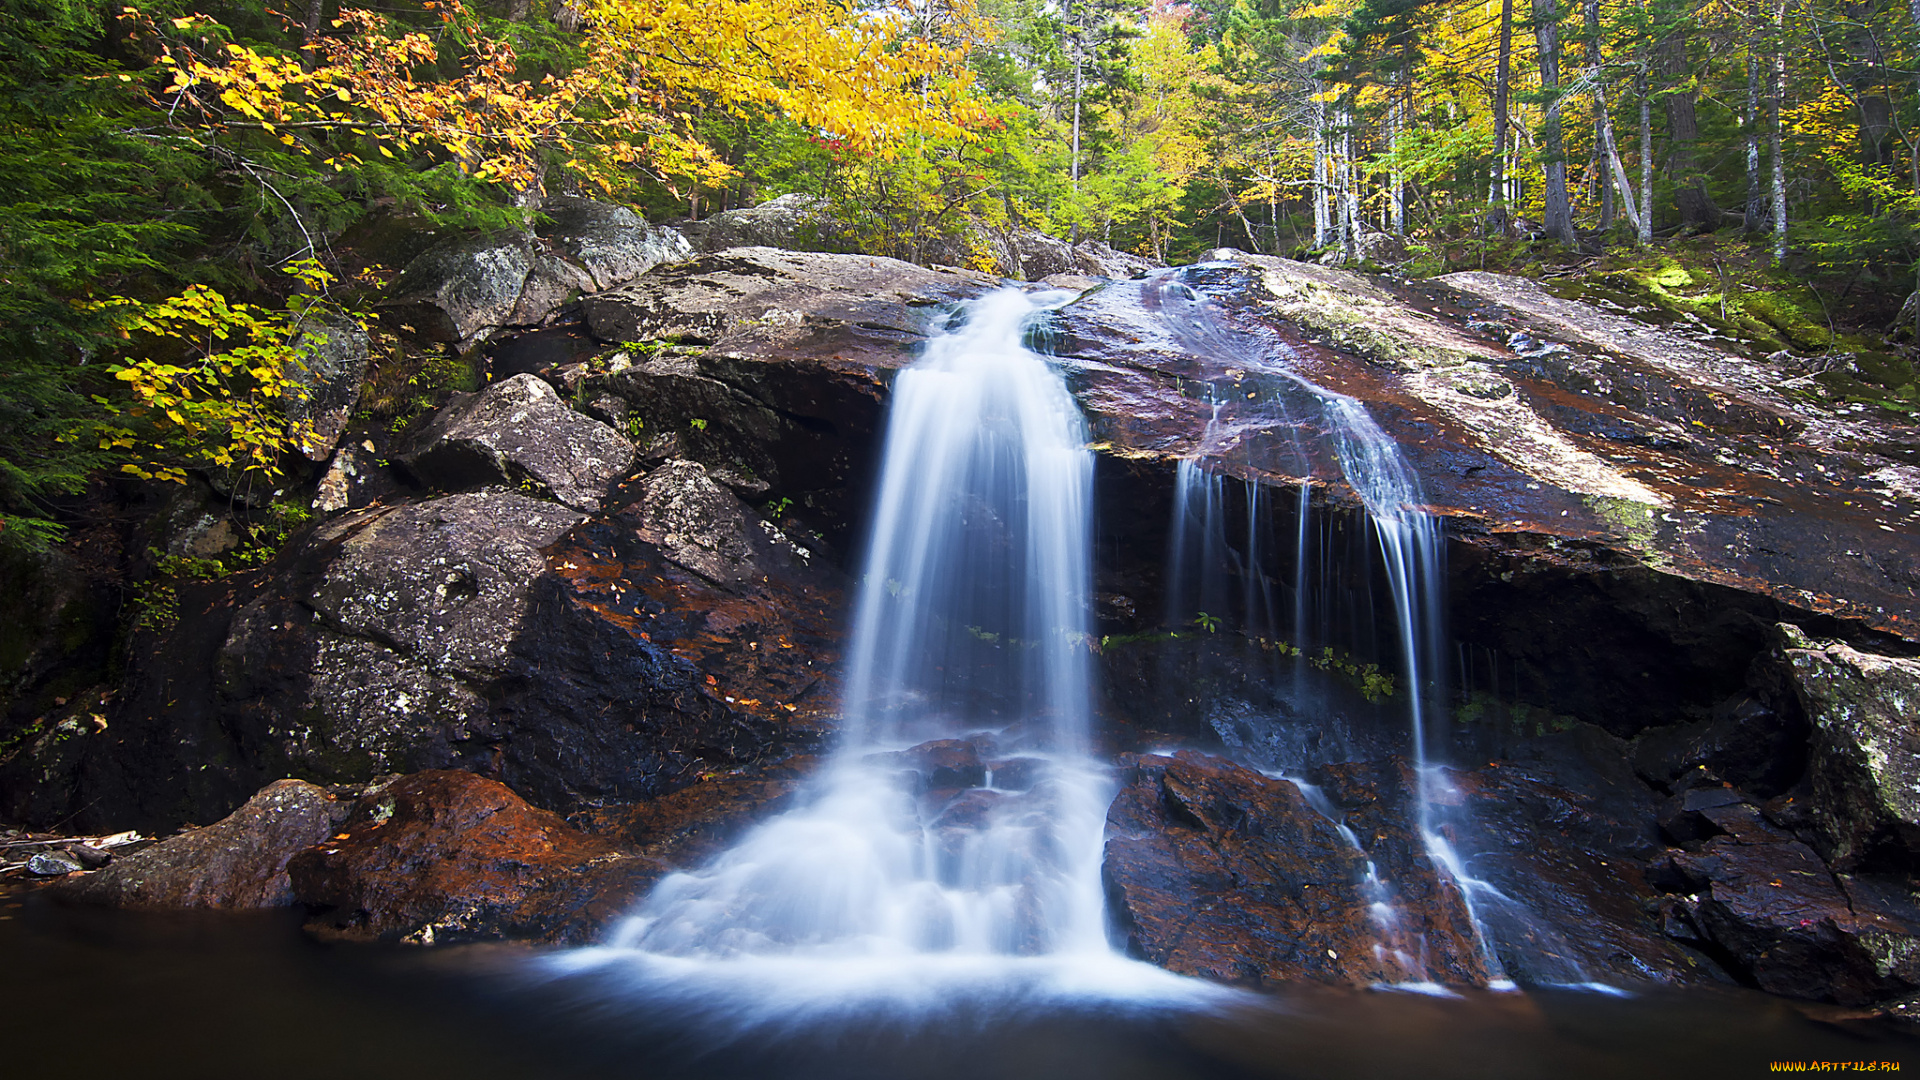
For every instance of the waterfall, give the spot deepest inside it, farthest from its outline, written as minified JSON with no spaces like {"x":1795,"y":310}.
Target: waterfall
{"x":1409,"y":545}
{"x":953,"y":842}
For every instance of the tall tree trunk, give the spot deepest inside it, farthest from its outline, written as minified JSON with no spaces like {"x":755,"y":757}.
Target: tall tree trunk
{"x":1349,"y":189}
{"x":1502,"y":79}
{"x":1603,"y":124}
{"x":1643,"y":234}
{"x":1777,"y":86}
{"x":1697,"y":210}
{"x":1322,"y":174}
{"x":1755,"y":220}
{"x":1546,"y":35}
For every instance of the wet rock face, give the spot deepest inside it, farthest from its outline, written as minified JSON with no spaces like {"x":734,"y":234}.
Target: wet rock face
{"x":1782,"y":919}
{"x":237,"y":863}
{"x":446,"y":856}
{"x":518,"y":431}
{"x":1215,"y":870}
{"x":1865,"y":768}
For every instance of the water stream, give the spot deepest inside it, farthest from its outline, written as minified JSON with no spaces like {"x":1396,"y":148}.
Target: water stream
{"x":954,"y":841}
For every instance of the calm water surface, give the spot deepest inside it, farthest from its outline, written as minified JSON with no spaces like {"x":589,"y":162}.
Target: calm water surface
{"x":111,"y":994}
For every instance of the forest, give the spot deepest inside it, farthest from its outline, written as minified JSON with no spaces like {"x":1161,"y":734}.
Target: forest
{"x":183,"y":179}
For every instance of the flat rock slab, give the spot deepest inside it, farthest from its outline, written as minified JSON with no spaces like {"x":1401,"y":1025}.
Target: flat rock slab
{"x":237,"y":863}
{"x":445,"y":856}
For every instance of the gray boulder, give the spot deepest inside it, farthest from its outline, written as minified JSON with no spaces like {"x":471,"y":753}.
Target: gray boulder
{"x":238,"y":863}
{"x":459,"y":291}
{"x":611,"y":243}
{"x":443,"y":583}
{"x":333,"y":362}
{"x":795,"y":222}
{"x":696,"y":522}
{"x":1865,"y":759}
{"x":518,"y":431}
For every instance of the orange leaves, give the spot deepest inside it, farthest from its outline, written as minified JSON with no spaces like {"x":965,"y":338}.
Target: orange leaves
{"x":868,"y":78}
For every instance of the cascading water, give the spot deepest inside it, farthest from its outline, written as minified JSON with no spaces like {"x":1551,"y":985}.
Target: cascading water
{"x":953,"y":843}
{"x":1409,"y":545}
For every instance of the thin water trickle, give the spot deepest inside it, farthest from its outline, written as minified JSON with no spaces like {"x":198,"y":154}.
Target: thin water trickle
{"x":894,"y":884}
{"x":1409,"y":544}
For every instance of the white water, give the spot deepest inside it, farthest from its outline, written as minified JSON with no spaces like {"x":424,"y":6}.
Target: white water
{"x":1410,"y":546}
{"x":970,"y":627}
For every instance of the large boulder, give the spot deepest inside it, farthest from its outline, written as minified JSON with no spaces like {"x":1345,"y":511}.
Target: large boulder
{"x":459,"y":291}
{"x":237,"y":863}
{"x":519,"y":432}
{"x":785,"y":294}
{"x":333,"y":362}
{"x":447,"y":856}
{"x":794,"y":222}
{"x":1215,"y":870}
{"x":611,"y":243}
{"x":1865,"y":750}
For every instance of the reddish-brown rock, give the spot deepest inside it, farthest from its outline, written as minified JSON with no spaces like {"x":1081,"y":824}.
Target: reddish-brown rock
{"x":239,"y":862}
{"x":450,"y":856}
{"x":1215,"y":870}
{"x":696,"y":822}
{"x":1789,"y":924}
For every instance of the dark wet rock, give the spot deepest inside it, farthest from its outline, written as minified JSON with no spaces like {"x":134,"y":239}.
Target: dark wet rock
{"x":53,"y":864}
{"x":1768,"y":903}
{"x":942,"y":766}
{"x":333,"y":361}
{"x":459,"y":291}
{"x":446,"y":856}
{"x":1563,"y":827}
{"x":58,"y":635}
{"x":795,"y":222}
{"x":237,"y":863}
{"x":1865,"y":760}
{"x":697,"y":822}
{"x":1214,"y":870}
{"x":519,"y":432}
{"x":1757,"y":744}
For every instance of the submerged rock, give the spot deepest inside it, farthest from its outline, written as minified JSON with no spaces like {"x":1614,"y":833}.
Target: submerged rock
{"x":446,"y":856}
{"x":237,"y":863}
{"x":518,"y":431}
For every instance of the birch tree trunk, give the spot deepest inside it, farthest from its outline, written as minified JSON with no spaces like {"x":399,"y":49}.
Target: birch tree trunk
{"x":1643,"y":234}
{"x":1502,"y":74}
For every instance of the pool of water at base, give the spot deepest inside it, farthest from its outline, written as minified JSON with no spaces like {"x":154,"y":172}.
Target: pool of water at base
{"x":87,"y":993}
